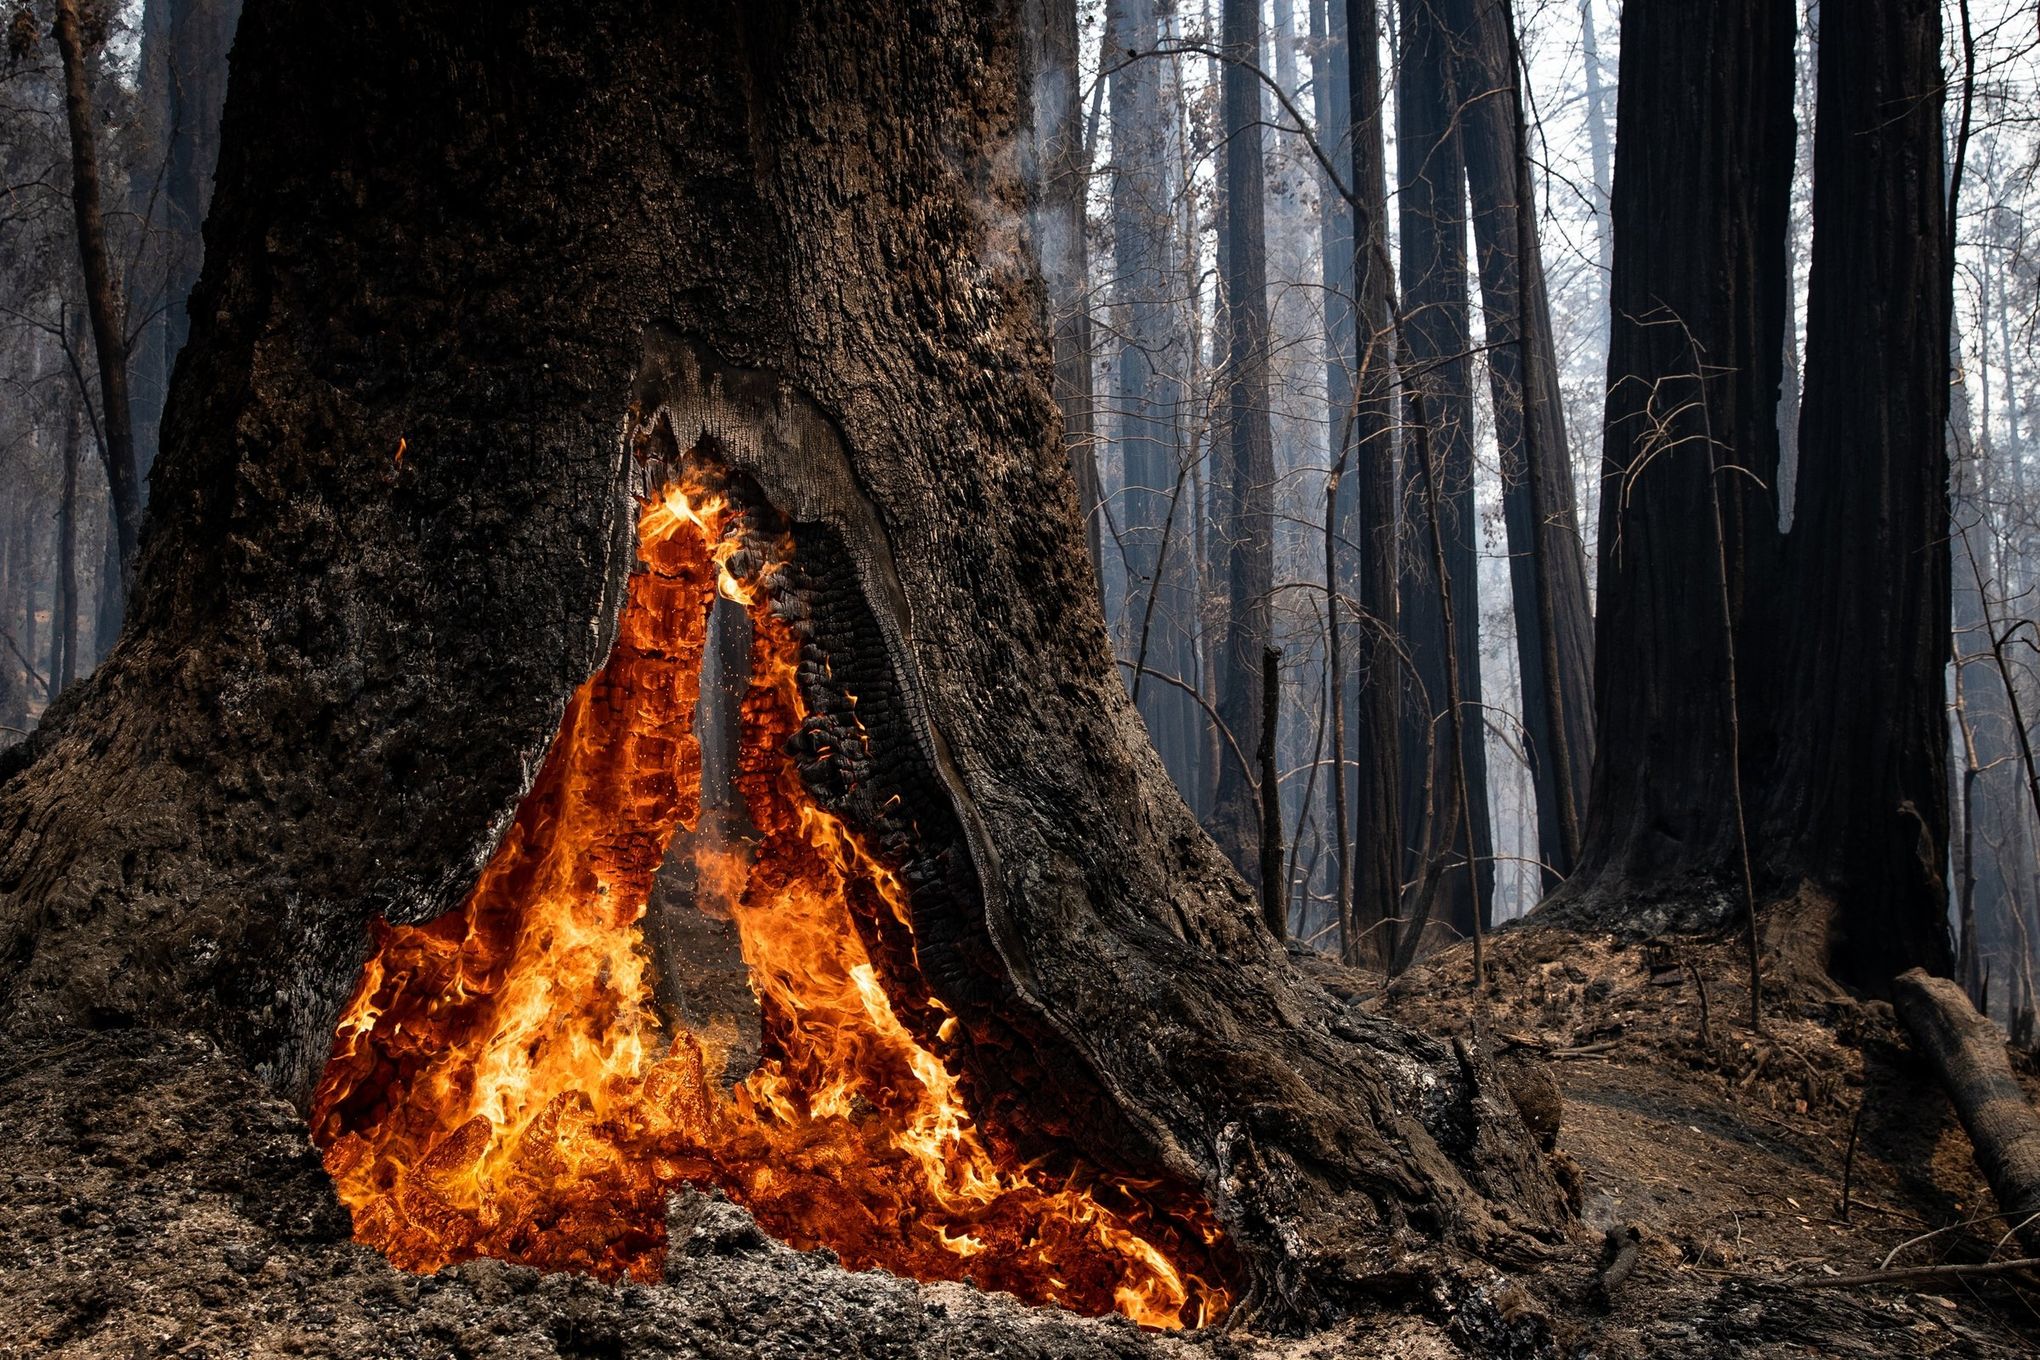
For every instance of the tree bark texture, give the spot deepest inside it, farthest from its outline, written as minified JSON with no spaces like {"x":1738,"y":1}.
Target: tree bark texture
{"x":1703,"y":168}
{"x":1378,"y":825}
{"x":102,"y":289}
{"x":1858,"y":798}
{"x":1547,"y":561}
{"x":1245,"y":518}
{"x":466,"y":264}
{"x":1967,"y":1052}
{"x":1437,"y":333}
{"x":1060,"y":178}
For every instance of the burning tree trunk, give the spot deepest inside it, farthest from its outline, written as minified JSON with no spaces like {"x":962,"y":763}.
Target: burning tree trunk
{"x":700,"y":256}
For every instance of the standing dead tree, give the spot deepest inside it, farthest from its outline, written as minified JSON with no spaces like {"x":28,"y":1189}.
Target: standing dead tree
{"x":102,"y":288}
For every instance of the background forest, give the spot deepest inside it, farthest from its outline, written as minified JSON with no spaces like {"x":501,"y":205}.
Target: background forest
{"x":1195,"y":233}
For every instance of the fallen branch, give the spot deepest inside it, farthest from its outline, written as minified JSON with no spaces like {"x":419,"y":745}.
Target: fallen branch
{"x":1968,"y":1054}
{"x":1909,"y":1274}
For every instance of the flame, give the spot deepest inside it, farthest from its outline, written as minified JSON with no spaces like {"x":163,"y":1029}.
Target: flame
{"x":501,"y":1083}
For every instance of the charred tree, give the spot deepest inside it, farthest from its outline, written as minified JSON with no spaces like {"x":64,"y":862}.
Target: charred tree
{"x":1857,"y":802}
{"x":1547,"y":561}
{"x":102,"y":289}
{"x":1244,"y":517}
{"x":1378,"y":826}
{"x":1437,"y":334}
{"x":1689,"y":525}
{"x":476,"y":278}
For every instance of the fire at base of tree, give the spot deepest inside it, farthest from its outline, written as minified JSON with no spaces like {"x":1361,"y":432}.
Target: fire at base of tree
{"x":1056,"y":677}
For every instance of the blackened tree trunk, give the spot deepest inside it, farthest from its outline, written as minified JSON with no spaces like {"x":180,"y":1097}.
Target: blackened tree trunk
{"x":1245,"y":517}
{"x":1702,"y":174}
{"x":102,"y":289}
{"x":457,"y":253}
{"x":1378,"y":827}
{"x":1437,"y":332}
{"x":1858,"y":801}
{"x":1547,"y":561}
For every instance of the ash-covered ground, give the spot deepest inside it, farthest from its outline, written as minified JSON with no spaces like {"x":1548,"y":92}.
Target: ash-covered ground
{"x":156,"y":1200}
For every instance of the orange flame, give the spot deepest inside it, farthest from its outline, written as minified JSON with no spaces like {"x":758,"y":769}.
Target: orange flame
{"x":501,"y":1084}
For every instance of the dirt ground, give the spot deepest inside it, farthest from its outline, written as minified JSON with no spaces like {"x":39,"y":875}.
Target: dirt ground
{"x":1728,"y":1150}
{"x":154,"y":1200}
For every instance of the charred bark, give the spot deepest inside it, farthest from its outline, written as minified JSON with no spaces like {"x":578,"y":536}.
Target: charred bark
{"x":1547,"y":562}
{"x":1702,"y":176}
{"x":1858,"y":798}
{"x":1437,"y":335}
{"x":1968,"y":1055}
{"x":455,"y":257}
{"x":1378,"y":826}
{"x":1245,"y":515}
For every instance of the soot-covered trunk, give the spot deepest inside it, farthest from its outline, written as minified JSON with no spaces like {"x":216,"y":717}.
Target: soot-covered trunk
{"x":522,"y":334}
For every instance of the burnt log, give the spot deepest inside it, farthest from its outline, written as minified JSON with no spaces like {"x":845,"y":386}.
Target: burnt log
{"x":473,"y":279}
{"x":1967,"y":1053}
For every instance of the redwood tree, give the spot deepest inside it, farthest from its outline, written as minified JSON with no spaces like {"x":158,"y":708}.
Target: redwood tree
{"x":1244,"y":519}
{"x":465,"y":266}
{"x":1378,"y":826}
{"x":1547,"y":561}
{"x":1689,"y":536}
{"x":1437,"y":333}
{"x":1857,"y":802}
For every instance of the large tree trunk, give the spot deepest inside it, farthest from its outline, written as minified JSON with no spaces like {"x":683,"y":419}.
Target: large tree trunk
{"x":1689,"y":527}
{"x":1439,"y":743}
{"x":1244,"y":514}
{"x":1858,"y":800}
{"x":1547,"y":562}
{"x":1378,"y":826}
{"x":466,"y":264}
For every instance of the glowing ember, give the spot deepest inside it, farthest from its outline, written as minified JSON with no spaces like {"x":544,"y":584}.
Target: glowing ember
{"x":501,"y":1085}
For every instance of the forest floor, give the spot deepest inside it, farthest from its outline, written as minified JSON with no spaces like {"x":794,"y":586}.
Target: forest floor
{"x":1729,"y":1150}
{"x":156,"y":1200}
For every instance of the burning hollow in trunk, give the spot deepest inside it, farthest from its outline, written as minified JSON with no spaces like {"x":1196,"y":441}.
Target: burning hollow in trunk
{"x":503,"y":1084}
